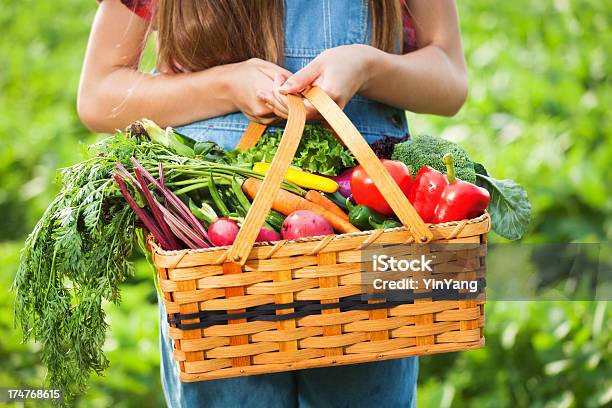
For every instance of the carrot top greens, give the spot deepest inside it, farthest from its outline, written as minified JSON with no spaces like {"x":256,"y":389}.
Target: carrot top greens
{"x":79,"y":251}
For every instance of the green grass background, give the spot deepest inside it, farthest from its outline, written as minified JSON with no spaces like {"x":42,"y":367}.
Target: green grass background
{"x":538,"y":112}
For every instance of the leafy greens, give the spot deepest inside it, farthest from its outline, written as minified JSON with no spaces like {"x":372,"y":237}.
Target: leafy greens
{"x":79,"y":251}
{"x":318,"y":152}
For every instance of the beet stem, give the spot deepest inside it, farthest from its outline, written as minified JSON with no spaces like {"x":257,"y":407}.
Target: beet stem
{"x":141,"y":212}
{"x":153,"y":205}
{"x":183,"y":228}
{"x":176,"y":202}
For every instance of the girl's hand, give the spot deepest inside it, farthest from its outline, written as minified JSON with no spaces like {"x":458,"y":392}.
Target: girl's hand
{"x":341,"y":72}
{"x":245,"y":80}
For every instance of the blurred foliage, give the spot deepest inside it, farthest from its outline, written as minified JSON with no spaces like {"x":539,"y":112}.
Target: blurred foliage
{"x":538,"y":110}
{"x":40,"y":59}
{"x":538,"y":354}
{"x":538,"y":113}
{"x":132,"y":344}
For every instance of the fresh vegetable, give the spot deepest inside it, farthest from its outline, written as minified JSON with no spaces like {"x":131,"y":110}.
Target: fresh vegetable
{"x":344,"y":182}
{"x":153,"y":221}
{"x":167,"y":138}
{"x":427,"y":150}
{"x":337,"y":199}
{"x":275,"y":220}
{"x":267,"y":235}
{"x":144,"y":215}
{"x":133,"y":185}
{"x":318,"y":152}
{"x":216,"y":197}
{"x":210,"y":151}
{"x":302,"y":178}
{"x":223,"y":232}
{"x":383,"y":147}
{"x":386,"y":224}
{"x":286,"y":203}
{"x":510,"y":208}
{"x":172,"y":218}
{"x":318,"y":198}
{"x":304,"y":223}
{"x":367,"y":219}
{"x":360,"y":216}
{"x":459,"y":200}
{"x":366,"y":193}
{"x":426,"y":190}
{"x":203,"y":213}
{"x":74,"y":259}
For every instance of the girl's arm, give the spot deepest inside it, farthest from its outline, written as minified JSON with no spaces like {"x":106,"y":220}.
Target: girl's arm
{"x":432,"y":79}
{"x":113,"y":92}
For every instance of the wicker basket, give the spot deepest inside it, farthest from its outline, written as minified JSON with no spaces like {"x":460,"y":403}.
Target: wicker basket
{"x":253,"y":309}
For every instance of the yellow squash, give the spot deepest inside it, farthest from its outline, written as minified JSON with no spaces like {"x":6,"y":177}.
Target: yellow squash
{"x":302,"y":178}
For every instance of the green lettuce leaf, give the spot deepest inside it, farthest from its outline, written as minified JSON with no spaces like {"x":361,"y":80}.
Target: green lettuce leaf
{"x":318,"y":152}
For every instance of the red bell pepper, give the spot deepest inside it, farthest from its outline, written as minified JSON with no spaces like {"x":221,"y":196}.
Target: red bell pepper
{"x":366,"y":193}
{"x":460,"y":200}
{"x":426,"y":190}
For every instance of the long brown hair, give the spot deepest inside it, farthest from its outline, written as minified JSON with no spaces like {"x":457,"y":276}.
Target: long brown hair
{"x":195,"y":35}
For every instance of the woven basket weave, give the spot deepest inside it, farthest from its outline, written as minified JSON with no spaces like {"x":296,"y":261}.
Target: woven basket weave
{"x":268,"y":307}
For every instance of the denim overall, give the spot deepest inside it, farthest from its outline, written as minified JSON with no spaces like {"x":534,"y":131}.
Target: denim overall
{"x":311,"y":26}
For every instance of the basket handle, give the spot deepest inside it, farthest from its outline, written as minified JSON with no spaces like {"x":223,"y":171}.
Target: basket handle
{"x":272,"y":180}
{"x":251,"y":135}
{"x":352,"y":139}
{"x":350,"y":136}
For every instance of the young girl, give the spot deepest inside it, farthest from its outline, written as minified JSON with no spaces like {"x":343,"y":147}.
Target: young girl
{"x":223,"y":63}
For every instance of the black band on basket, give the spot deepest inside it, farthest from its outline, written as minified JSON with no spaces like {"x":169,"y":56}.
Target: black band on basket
{"x":303,"y":308}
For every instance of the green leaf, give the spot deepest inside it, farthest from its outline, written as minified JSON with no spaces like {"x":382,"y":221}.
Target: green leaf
{"x":177,"y":146}
{"x":210,"y":151}
{"x":318,"y":152}
{"x":480,"y":169}
{"x":510,"y":208}
{"x":186,"y":140}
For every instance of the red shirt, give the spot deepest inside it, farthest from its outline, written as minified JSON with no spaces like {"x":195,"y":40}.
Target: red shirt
{"x":144,"y":8}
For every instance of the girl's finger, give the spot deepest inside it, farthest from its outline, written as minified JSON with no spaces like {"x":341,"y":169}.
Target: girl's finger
{"x":279,"y":101}
{"x":263,"y":96}
{"x":277,"y":104}
{"x":272,"y":103}
{"x":263,"y":121}
{"x":268,"y":99}
{"x":301,"y":79}
{"x":279,"y":79}
{"x":280,"y":98}
{"x":277,"y":112}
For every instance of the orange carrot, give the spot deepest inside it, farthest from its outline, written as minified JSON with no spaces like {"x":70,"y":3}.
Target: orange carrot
{"x":318,"y":198}
{"x":286,"y":203}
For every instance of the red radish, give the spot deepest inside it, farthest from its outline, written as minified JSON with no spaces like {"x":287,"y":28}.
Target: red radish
{"x":304,"y":223}
{"x":223,"y":232}
{"x":267,"y":234}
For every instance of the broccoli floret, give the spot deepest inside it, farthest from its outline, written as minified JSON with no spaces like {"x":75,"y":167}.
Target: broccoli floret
{"x":428,"y":151}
